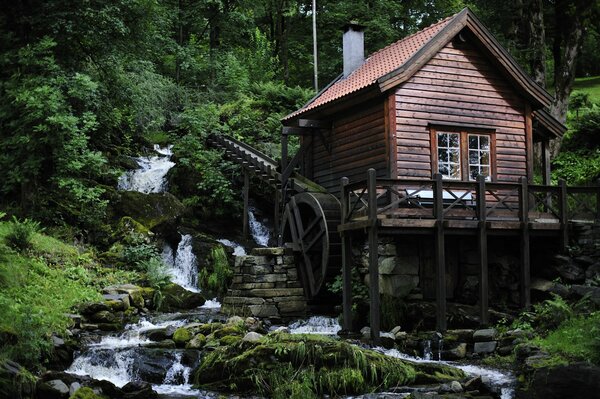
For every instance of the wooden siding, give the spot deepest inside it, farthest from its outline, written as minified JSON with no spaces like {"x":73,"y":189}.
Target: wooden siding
{"x":357,"y":143}
{"x":459,"y":87}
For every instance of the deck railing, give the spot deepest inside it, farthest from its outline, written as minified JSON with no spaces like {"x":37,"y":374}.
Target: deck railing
{"x":479,"y":200}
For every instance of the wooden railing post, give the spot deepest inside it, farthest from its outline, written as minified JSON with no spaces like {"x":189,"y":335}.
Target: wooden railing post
{"x":483,"y":251}
{"x":346,"y":258}
{"x":598,"y":200}
{"x":440,"y":256}
{"x":373,"y":257}
{"x":564,"y":214}
{"x":525,"y":272}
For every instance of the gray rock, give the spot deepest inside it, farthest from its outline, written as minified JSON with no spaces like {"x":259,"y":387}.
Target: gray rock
{"x":93,"y":307}
{"x":74,"y":387}
{"x":576,"y":380}
{"x":197,"y":342}
{"x":57,"y":342}
{"x":458,"y":352}
{"x":401,"y":335}
{"x":233,"y":320}
{"x":252,"y":337}
{"x":252,"y":323}
{"x":396,"y":330}
{"x":282,"y":329}
{"x":593,"y":271}
{"x":59,"y":387}
{"x":387,"y":265}
{"x":451,"y":387}
{"x":485,"y":347}
{"x":264,"y":310}
{"x":366,"y":332}
{"x":387,"y":339}
{"x":593,"y":293}
{"x":272,"y":251}
{"x":461,"y":335}
{"x":103,"y":316}
{"x":488,"y":334}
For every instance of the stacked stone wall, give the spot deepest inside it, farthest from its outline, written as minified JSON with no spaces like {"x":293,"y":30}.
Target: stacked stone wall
{"x":265,"y":284}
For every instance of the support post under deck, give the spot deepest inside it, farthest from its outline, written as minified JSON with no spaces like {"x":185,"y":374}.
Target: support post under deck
{"x":525,"y":272}
{"x":375,"y":312}
{"x":483,"y":252}
{"x":440,"y":256}
{"x":245,"y":193}
{"x":346,"y":261}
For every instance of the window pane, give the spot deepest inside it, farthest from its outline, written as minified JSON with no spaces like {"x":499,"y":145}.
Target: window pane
{"x":442,"y":155}
{"x":473,"y":172}
{"x":473,"y":145}
{"x":485,"y":171}
{"x":484,"y":142}
{"x":454,"y":156}
{"x":442,"y":140}
{"x":454,"y":140}
{"x":473,"y":157}
{"x":485,"y":158}
{"x":455,"y":171}
{"x":443,"y":169}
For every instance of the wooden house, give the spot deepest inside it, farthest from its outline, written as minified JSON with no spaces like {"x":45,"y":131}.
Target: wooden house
{"x":446,"y":122}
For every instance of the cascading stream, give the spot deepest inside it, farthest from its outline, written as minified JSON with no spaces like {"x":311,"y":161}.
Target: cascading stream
{"x":150,"y":176}
{"x":182,"y":265}
{"x":260,"y":232}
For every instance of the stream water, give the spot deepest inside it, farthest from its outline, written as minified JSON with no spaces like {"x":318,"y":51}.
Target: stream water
{"x":132,"y":356}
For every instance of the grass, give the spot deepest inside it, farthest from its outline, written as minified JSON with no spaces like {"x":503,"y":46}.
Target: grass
{"x":39,"y":287}
{"x":591,"y":86}
{"x":577,"y":338}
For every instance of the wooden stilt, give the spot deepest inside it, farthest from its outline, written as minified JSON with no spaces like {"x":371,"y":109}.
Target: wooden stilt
{"x":564,"y":214}
{"x":373,"y":258}
{"x":440,"y":256}
{"x":346,"y":261}
{"x":546,"y":162}
{"x":525,"y":273}
{"x":246,"y":192}
{"x":483,"y":252}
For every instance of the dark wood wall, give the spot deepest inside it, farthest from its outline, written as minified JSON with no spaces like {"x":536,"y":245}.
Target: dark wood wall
{"x":459,"y":86}
{"x":357,"y":143}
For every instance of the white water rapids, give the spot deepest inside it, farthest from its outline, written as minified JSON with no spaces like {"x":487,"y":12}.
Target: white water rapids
{"x":150,"y":176}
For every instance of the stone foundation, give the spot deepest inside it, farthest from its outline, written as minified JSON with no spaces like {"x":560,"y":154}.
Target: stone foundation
{"x":265,"y":284}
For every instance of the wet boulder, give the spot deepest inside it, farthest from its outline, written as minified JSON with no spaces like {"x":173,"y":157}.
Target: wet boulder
{"x":150,"y":210}
{"x":176,"y":297}
{"x":17,"y":382}
{"x":576,"y":380}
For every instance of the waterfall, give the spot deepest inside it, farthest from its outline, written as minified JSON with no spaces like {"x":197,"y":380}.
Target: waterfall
{"x":427,"y":354}
{"x":182,"y":264}
{"x":150,"y":176}
{"x":259,"y":231}
{"x":238,"y":250}
{"x":316,"y":325}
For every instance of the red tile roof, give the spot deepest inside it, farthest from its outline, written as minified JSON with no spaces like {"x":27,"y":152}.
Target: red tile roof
{"x":377,"y":65}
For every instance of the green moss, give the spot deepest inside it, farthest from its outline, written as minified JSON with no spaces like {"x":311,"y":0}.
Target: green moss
{"x":181,"y":336}
{"x":217,"y":277}
{"x":197,"y":342}
{"x":284,"y":366}
{"x":229,"y":340}
{"x":209,"y":328}
{"x":86,"y":393}
{"x":228,"y":330}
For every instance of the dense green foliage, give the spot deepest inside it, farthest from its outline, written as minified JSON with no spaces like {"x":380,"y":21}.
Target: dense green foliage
{"x":39,"y":287}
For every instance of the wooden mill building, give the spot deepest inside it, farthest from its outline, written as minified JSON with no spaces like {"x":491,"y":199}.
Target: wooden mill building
{"x":446,"y":122}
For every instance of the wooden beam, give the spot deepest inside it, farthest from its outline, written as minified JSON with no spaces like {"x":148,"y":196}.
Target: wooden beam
{"x":525,"y":272}
{"x":564,"y":214}
{"x":440,"y":256}
{"x":245,"y":192}
{"x":314,"y":123}
{"x":284,"y":151}
{"x":289,"y":169}
{"x":346,"y":260}
{"x":546,"y":176}
{"x":483,"y":252}
{"x":297,"y":131}
{"x":375,"y":311}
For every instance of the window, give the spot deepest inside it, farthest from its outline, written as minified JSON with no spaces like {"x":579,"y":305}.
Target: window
{"x":462,"y":155}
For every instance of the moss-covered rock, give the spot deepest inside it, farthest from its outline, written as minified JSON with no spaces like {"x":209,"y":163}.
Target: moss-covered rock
{"x":182,"y":336}
{"x":197,"y":342}
{"x":229,"y":340}
{"x":150,"y":210}
{"x":284,"y":365}
{"x":176,"y":297}
{"x":86,"y":393}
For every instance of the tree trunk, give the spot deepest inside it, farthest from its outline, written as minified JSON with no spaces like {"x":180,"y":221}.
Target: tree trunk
{"x":537,"y":42}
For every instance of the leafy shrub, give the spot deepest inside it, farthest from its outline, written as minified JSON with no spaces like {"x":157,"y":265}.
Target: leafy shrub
{"x":138,"y":252}
{"x":218,"y":278}
{"x":157,"y":273}
{"x":21,"y":233}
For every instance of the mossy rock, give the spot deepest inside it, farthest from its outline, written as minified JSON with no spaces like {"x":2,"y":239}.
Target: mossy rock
{"x":150,"y":210}
{"x":229,"y":340}
{"x":197,"y":342}
{"x":128,"y":227}
{"x":284,"y":365}
{"x":182,"y":336}
{"x":229,"y":330}
{"x":176,"y":297}
{"x":86,"y":393}
{"x":209,"y":328}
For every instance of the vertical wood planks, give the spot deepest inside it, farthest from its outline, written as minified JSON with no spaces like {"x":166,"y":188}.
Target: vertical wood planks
{"x":375,"y":313}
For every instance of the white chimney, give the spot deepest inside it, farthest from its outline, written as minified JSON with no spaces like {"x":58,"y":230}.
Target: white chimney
{"x":354,"y":47}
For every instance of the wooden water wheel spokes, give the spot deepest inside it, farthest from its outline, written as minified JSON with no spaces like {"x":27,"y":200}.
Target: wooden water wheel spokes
{"x":309,"y":223}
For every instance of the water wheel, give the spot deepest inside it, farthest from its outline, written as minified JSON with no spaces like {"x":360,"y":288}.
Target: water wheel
{"x":309,"y":224}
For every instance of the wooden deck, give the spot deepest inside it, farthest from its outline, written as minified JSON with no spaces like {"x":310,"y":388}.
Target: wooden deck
{"x":437,"y":208}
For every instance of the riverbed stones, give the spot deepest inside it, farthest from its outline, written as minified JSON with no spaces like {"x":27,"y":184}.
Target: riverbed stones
{"x":252,"y":337}
{"x":197,"y":342}
{"x":485,"y":347}
{"x":176,"y":297}
{"x":18,"y":382}
{"x":488,"y":334}
{"x":182,"y":336}
{"x":265,"y":285}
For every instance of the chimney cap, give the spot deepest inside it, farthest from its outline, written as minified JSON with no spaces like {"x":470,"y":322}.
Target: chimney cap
{"x":354,"y":25}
